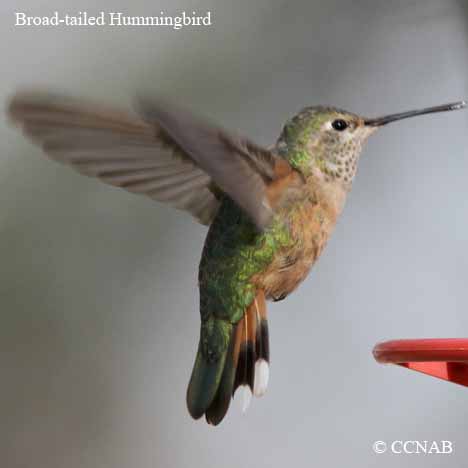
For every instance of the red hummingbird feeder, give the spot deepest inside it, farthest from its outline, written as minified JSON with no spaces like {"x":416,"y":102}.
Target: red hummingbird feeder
{"x":444,"y":358}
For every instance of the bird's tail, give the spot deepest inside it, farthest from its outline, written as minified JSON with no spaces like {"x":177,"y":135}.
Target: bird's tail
{"x":242,"y":368}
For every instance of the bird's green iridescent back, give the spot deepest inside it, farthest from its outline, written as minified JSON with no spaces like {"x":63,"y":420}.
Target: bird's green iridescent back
{"x":234,"y":252}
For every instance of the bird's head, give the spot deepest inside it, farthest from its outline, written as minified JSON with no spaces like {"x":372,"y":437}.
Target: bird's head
{"x":330,"y":140}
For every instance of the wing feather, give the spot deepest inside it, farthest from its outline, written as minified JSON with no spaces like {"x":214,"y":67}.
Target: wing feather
{"x":227,"y":158}
{"x":117,"y":148}
{"x":165,"y":154}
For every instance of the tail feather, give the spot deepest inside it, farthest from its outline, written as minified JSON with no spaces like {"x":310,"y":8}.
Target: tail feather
{"x":262,"y":363}
{"x":220,"y":404}
{"x":245,"y":375}
{"x":215,"y":338}
{"x":203,"y":384}
{"x":243,"y":369}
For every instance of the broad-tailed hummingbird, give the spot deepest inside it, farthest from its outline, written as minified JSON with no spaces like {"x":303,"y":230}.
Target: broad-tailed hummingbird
{"x":270,"y":210}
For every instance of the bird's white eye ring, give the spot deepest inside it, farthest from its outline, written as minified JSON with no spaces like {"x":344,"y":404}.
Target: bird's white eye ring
{"x":340,"y":125}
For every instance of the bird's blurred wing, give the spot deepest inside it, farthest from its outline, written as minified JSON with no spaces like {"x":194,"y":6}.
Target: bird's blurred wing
{"x":239,"y":167}
{"x":165,"y":153}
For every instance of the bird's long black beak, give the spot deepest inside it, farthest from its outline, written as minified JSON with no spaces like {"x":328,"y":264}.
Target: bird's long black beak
{"x":379,"y":121}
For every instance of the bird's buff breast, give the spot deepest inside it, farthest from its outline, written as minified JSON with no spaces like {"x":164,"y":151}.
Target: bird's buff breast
{"x":311,"y":224}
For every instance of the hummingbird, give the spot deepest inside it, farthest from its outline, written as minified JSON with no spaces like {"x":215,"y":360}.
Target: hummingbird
{"x":270,"y":211}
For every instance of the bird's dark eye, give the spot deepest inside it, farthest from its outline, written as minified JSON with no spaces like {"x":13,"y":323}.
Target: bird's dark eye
{"x":340,"y":124}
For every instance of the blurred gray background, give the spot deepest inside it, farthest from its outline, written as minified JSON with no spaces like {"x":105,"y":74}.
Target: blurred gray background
{"x":98,"y":295}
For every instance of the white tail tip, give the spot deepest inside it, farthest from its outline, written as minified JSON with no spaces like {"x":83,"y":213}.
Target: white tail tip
{"x":244,"y":394}
{"x":262,"y":374}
